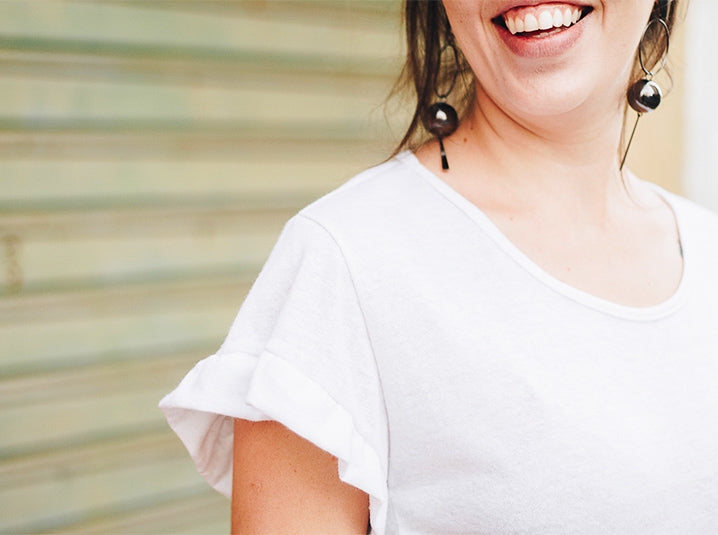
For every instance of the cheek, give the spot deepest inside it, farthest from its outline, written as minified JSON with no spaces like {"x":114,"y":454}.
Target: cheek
{"x":623,"y":24}
{"x":472,"y":28}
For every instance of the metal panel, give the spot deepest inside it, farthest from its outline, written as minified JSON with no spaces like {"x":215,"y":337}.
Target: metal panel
{"x":150,"y":152}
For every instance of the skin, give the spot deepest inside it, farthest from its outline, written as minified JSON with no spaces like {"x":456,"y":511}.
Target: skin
{"x":284,"y":484}
{"x":538,"y":153}
{"x":560,"y":198}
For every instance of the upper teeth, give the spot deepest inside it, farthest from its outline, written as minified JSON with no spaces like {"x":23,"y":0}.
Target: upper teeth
{"x":544,"y":18}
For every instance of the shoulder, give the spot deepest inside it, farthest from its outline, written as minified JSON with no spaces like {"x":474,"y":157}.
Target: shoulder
{"x":695,"y":217}
{"x":370,"y":199}
{"x":379,"y":220}
{"x":698,"y":228}
{"x":353,"y":219}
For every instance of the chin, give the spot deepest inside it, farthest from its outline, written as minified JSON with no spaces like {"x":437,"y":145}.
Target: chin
{"x":554,"y":96}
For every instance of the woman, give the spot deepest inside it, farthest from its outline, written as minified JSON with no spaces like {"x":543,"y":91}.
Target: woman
{"x":522,"y":343}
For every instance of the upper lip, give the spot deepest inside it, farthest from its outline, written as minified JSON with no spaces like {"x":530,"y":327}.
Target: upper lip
{"x":528,"y":3}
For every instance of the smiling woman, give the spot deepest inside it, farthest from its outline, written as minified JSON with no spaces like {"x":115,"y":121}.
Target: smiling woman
{"x":522,"y":341}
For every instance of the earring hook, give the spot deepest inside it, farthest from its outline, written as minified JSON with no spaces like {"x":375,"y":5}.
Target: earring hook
{"x":445,"y":94}
{"x":663,"y":24}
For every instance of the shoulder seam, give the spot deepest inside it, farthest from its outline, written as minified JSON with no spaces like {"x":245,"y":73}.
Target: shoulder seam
{"x":344,"y":258}
{"x":352,"y":278}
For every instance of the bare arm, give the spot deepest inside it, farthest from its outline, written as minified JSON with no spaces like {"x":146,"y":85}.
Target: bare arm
{"x":285,"y":484}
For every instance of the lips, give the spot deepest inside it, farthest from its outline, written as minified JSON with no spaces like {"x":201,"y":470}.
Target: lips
{"x":535,"y":29}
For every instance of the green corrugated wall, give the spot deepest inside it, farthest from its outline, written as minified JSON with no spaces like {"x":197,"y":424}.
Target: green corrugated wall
{"x":150,"y":152}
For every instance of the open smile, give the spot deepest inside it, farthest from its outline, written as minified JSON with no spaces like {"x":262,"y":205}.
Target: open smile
{"x":541,"y":20}
{"x":535,"y":29}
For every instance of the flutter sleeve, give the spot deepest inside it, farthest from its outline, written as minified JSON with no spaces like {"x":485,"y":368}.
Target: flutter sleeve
{"x":297,"y":353}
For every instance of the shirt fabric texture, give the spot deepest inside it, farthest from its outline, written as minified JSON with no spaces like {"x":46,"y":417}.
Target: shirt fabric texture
{"x":462,"y":387}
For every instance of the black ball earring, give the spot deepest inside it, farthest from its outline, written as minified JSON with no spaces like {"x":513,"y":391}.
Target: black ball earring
{"x":645,"y":95}
{"x":441,"y":119}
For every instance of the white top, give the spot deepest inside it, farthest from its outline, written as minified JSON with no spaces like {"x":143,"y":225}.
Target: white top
{"x":462,"y":387}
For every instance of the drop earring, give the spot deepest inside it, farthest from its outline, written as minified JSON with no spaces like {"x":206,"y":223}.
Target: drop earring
{"x":645,"y":95}
{"x":441,"y":119}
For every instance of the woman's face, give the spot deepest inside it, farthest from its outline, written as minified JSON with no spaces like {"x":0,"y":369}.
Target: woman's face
{"x":532,"y":59}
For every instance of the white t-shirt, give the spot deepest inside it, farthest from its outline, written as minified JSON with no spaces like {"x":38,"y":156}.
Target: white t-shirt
{"x":462,"y":387}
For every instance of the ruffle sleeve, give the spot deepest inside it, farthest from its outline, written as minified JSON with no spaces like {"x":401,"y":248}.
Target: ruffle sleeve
{"x":298,"y":353}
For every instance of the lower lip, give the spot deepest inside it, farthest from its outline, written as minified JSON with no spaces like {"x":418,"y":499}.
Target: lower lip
{"x":547,"y":45}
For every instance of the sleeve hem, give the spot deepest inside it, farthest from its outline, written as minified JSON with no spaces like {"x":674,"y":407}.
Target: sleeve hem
{"x":269,"y":388}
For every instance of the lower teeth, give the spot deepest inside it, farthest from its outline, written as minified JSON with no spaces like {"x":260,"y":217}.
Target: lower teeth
{"x":542,"y":33}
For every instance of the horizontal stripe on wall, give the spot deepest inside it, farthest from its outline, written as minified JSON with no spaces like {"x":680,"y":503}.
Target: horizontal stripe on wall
{"x":151,"y":152}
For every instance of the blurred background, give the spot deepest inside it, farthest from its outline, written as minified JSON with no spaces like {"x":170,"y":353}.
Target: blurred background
{"x":150,"y":153}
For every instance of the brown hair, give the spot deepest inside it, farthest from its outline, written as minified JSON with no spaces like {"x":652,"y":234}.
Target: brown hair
{"x":426,"y":68}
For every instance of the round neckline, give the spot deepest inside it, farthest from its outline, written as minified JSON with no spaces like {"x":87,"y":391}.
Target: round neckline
{"x":649,"y":313}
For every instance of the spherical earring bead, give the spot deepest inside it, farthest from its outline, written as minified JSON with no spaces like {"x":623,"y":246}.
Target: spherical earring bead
{"x":644,"y":96}
{"x":441,"y":119}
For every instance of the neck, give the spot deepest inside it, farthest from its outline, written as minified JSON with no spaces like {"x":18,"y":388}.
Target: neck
{"x":568,"y":162}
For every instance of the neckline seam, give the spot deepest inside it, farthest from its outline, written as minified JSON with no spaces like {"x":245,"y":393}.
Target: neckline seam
{"x":642,"y":314}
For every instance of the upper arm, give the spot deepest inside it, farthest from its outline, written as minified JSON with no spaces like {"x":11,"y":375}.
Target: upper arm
{"x":283,"y":483}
